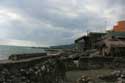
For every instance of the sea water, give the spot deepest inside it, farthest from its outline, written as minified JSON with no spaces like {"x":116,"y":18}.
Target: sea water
{"x":6,"y":51}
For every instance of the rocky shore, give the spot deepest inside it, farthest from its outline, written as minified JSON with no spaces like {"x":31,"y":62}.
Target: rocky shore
{"x":42,"y":69}
{"x":59,"y":66}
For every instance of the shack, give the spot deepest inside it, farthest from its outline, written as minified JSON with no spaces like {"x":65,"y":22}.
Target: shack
{"x":88,"y":41}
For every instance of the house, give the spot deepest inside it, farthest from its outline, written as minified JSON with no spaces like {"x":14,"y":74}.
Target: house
{"x":88,"y":41}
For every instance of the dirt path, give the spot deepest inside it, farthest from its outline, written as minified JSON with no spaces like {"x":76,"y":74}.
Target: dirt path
{"x":72,"y":76}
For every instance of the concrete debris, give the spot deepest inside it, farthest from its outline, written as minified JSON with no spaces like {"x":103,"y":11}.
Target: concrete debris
{"x":85,"y":79}
{"x":116,"y":76}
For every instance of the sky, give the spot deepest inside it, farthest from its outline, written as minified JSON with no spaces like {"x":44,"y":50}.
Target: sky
{"x":55,"y":22}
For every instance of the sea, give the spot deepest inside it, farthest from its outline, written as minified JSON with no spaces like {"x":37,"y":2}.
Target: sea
{"x":6,"y":51}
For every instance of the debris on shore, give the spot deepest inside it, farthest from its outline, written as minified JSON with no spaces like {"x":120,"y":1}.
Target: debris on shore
{"x":90,"y":53}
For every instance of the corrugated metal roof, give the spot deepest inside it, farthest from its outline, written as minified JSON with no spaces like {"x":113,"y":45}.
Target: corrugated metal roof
{"x":117,"y":34}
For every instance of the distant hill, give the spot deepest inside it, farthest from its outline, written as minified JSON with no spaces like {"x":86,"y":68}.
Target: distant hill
{"x":69,"y":46}
{"x":40,"y":47}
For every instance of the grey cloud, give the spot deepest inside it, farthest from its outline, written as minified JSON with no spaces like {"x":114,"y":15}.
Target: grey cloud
{"x":54,"y":22}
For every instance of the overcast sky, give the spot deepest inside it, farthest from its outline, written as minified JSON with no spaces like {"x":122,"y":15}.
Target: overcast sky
{"x":54,"y":22}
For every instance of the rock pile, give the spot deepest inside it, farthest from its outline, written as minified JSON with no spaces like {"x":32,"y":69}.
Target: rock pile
{"x":116,"y":76}
{"x":49,"y":71}
{"x":85,"y":79}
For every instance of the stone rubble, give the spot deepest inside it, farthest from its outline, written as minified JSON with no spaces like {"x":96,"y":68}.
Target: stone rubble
{"x":49,"y":71}
{"x":116,"y":76}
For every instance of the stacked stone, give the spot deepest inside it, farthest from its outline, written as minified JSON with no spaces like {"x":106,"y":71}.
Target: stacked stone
{"x":44,"y":72}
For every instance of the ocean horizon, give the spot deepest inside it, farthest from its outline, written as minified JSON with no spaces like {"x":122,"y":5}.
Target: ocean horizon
{"x":6,"y":51}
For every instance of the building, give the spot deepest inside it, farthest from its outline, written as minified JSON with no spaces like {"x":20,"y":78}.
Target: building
{"x":88,"y":42}
{"x":119,"y":27}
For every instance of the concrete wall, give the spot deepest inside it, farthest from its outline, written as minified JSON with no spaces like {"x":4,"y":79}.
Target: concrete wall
{"x":101,"y":62}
